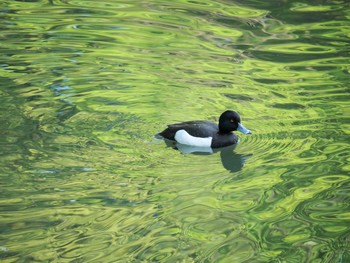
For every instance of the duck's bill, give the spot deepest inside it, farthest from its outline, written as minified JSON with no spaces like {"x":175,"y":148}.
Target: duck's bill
{"x":243,"y":129}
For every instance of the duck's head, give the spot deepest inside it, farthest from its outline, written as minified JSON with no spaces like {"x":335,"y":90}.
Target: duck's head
{"x":231,"y":121}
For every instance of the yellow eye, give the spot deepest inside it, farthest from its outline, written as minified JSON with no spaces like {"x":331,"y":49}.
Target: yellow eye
{"x":232,"y":120}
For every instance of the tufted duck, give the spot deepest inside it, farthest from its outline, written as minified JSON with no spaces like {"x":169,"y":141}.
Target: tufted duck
{"x":205,"y":133}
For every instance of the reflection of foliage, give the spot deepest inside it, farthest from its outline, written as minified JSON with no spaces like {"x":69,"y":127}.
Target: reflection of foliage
{"x":86,"y":85}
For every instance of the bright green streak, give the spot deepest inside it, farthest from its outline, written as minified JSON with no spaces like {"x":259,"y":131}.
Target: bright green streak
{"x":86,"y":84}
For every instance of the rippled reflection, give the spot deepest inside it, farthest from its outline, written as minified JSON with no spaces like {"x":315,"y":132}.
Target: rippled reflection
{"x":231,"y":161}
{"x":86,"y":84}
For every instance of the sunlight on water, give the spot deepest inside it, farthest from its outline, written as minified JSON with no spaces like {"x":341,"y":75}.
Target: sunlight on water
{"x":85,"y":86}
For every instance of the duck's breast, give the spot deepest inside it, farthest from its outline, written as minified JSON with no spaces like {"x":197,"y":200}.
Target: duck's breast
{"x":223,"y":140}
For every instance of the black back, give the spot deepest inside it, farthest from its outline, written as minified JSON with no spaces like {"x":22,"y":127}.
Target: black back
{"x":201,"y":129}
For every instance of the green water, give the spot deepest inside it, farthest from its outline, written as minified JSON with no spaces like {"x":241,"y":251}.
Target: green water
{"x":84,"y":87}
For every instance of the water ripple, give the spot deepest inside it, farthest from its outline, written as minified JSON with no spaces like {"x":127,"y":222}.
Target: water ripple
{"x":86,"y":85}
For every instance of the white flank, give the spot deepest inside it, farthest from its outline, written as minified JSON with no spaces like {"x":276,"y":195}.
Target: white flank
{"x":183,"y":137}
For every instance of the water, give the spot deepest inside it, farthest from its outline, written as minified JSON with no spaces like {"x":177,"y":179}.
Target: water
{"x":85,"y":85}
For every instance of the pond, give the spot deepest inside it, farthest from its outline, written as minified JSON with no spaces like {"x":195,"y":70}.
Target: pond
{"x":85,"y":86}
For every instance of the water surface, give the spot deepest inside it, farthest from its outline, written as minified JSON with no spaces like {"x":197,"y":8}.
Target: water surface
{"x":85,"y":85}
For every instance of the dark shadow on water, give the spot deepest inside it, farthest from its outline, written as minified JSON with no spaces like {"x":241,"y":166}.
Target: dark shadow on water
{"x":230,"y":160}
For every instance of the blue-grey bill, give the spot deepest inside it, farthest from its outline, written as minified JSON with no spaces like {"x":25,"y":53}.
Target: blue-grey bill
{"x":243,"y":129}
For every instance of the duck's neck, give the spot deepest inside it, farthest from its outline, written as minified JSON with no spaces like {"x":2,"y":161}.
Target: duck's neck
{"x":223,"y":129}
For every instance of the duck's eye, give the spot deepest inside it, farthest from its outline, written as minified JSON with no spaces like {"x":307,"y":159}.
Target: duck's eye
{"x":232,"y":120}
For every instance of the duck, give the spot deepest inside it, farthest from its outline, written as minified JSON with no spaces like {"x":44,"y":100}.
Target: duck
{"x":202,"y":133}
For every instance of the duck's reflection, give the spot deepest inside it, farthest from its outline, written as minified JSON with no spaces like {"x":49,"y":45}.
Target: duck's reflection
{"x":231,"y":160}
